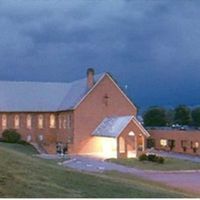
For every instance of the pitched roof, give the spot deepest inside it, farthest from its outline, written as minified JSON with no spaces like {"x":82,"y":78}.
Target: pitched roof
{"x":112,"y":126}
{"x":42,"y":96}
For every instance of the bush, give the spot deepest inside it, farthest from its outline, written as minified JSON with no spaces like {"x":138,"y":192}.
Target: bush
{"x":142,"y":157}
{"x":160,"y":160}
{"x":152,"y":157}
{"x":11,"y":136}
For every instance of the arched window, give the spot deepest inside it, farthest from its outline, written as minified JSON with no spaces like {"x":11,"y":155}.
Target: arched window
{"x":60,"y":122}
{"x":52,"y":121}
{"x":40,"y":121}
{"x":131,"y":133}
{"x":69,"y":121}
{"x":16,"y":121}
{"x":64,"y":122}
{"x":4,"y":121}
{"x":29,"y":121}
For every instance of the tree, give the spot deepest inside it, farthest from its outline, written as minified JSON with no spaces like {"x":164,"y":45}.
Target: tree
{"x":155,"y":116}
{"x":182,"y":115}
{"x":170,"y":116}
{"x":196,"y":116}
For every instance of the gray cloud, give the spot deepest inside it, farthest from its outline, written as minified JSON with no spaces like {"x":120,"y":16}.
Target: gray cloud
{"x":153,"y":46}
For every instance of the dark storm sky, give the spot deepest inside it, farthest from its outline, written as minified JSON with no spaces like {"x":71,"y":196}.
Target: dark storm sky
{"x":152,"y":46}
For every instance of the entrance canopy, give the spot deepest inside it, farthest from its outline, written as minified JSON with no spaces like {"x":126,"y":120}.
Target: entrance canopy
{"x":121,"y":136}
{"x":113,"y":126}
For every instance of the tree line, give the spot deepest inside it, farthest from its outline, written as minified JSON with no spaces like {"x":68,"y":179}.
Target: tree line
{"x":182,"y":115}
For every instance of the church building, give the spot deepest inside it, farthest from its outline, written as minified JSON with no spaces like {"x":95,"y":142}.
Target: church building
{"x":92,"y":116}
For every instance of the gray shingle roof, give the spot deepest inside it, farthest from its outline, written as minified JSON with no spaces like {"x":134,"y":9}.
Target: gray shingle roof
{"x":112,"y":126}
{"x":41,"y":96}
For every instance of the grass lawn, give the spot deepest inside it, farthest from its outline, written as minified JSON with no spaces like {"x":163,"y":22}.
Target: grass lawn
{"x":169,"y":164}
{"x":24,"y":175}
{"x":25,"y":149}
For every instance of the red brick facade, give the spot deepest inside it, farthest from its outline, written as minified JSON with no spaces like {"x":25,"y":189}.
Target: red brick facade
{"x":93,"y":109}
{"x":184,"y":141}
{"x":104,"y":99}
{"x":50,"y":135}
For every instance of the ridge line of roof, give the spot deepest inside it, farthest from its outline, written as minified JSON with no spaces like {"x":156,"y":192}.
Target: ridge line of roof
{"x":101,"y":76}
{"x":48,"y":82}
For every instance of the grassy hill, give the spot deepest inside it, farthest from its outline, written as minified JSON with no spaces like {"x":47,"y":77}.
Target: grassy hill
{"x":24,"y":175}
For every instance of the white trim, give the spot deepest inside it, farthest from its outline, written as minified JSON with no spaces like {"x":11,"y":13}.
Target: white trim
{"x":84,"y":97}
{"x":106,"y":74}
{"x":137,"y":123}
{"x":140,"y":126}
{"x":119,"y":133}
{"x":131,"y":117}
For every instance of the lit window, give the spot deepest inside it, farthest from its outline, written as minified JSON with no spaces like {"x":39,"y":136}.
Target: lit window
{"x":196,"y":144}
{"x":131,"y":133}
{"x":4,"y":121}
{"x":69,"y":121}
{"x":64,"y":122}
{"x":163,"y":142}
{"x":60,"y":122}
{"x":16,"y":121}
{"x":40,"y":121}
{"x":121,"y":145}
{"x":28,"y":121}
{"x":52,"y":121}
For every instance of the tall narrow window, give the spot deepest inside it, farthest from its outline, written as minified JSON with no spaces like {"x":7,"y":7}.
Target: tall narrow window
{"x":64,"y":122}
{"x":40,"y":121}
{"x":69,"y":121}
{"x":60,"y":122}
{"x":4,"y":121}
{"x":28,"y":121}
{"x":16,"y":121}
{"x":52,"y":121}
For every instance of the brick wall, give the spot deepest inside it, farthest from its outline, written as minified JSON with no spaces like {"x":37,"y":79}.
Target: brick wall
{"x":178,"y":136}
{"x":50,"y":135}
{"x":95,"y":108}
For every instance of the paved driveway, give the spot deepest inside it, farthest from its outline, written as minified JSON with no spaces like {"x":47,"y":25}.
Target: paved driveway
{"x":189,"y":180}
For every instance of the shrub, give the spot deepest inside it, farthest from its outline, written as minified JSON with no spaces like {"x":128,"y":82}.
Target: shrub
{"x":160,"y":160}
{"x":11,"y":136}
{"x":152,"y":157}
{"x":142,"y":157}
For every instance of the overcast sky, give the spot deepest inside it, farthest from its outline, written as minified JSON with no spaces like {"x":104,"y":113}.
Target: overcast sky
{"x":151,"y":46}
